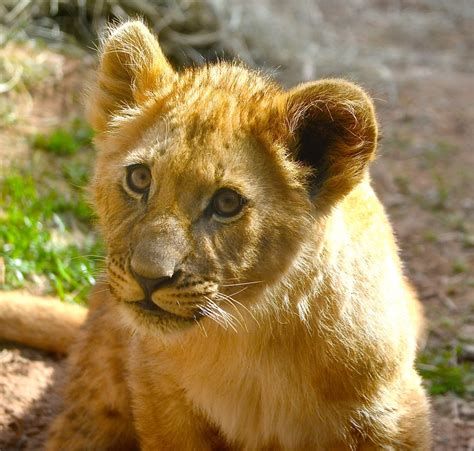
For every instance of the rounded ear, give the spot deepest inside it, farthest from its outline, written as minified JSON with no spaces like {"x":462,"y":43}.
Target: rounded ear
{"x":332,"y":129}
{"x":132,"y":68}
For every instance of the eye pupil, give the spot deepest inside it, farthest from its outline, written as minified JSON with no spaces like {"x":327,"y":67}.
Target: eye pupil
{"x":138,"y":178}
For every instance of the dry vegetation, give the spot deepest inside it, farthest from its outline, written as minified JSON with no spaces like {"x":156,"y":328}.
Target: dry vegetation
{"x":415,"y":56}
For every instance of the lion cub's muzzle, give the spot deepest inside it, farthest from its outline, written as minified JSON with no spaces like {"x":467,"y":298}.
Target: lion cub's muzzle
{"x":163,"y":285}
{"x":180,"y":296}
{"x":150,"y":285}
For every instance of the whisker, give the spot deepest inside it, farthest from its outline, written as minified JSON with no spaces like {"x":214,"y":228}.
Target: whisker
{"x":237,"y":292}
{"x":92,"y":256}
{"x":232,"y":300}
{"x":201,"y":326}
{"x":133,"y":332}
{"x":242,"y":283}
{"x":212,"y":315}
{"x":104,"y":290}
{"x":219,"y":296}
{"x":227,"y":317}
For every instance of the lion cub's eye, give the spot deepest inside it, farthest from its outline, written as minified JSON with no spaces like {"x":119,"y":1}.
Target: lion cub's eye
{"x":227,"y":203}
{"x":138,"y":178}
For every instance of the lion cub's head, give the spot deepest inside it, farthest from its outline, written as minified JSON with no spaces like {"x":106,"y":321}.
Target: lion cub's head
{"x":209,"y":181}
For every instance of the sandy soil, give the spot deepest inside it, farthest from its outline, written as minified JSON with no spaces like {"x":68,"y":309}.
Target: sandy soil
{"x":29,"y":392}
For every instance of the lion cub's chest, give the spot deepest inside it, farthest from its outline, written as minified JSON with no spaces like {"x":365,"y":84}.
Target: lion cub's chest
{"x":258,"y":398}
{"x":259,"y":401}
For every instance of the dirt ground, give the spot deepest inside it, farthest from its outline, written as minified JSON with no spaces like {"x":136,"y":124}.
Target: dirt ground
{"x":424,"y":175}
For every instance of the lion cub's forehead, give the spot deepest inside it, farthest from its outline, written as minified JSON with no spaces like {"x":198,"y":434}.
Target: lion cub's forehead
{"x":235,"y":80}
{"x":154,"y":142}
{"x":211,"y":113}
{"x":223,"y":99}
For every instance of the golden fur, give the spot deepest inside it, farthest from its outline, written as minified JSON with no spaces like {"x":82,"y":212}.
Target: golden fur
{"x":39,"y":322}
{"x":308,"y":332}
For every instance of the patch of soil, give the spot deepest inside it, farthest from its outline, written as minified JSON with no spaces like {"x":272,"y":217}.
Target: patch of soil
{"x":29,"y":382}
{"x":49,"y":93}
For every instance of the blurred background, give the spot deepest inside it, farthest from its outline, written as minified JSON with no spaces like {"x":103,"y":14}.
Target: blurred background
{"x":415,"y":57}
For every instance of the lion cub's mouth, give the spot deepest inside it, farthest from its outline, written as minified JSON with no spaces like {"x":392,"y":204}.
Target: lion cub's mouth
{"x":147,"y":306}
{"x":183,"y":297}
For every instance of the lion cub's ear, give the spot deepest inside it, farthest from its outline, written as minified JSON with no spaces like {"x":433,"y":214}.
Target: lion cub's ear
{"x":132,"y":68}
{"x":333,"y":130}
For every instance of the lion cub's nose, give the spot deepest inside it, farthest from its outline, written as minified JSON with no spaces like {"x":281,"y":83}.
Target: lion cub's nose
{"x":158,"y":255}
{"x":151,"y":269}
{"x":150,"y":285}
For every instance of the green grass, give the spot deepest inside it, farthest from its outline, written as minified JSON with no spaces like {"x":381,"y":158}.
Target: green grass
{"x":37,"y":237}
{"x":443,"y":372}
{"x":459,"y":267}
{"x":403,"y":184}
{"x":46,"y":224}
{"x":439,"y":150}
{"x":64,"y":141}
{"x":430,"y":236}
{"x":75,"y":173}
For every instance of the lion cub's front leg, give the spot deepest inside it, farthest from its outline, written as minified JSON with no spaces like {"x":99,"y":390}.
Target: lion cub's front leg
{"x":165,"y":419}
{"x":97,"y":412}
{"x":169,"y":425}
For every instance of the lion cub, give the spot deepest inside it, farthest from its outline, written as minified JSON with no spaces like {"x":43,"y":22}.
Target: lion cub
{"x":254,"y":295}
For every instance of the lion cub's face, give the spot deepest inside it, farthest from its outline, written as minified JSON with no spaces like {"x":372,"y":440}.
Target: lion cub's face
{"x":200,"y":201}
{"x":197,"y":206}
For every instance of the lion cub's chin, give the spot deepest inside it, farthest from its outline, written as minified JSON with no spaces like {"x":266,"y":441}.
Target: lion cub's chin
{"x":143,"y":319}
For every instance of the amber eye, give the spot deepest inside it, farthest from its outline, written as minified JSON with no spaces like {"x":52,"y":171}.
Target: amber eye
{"x":138,"y":178}
{"x":226,"y":203}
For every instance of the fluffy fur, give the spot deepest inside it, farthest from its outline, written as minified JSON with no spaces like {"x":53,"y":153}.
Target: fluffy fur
{"x":309,"y":328}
